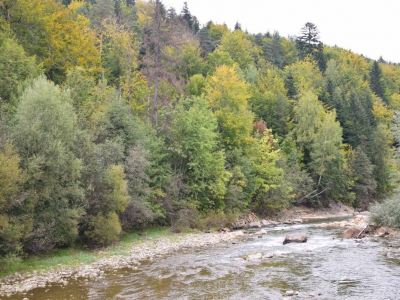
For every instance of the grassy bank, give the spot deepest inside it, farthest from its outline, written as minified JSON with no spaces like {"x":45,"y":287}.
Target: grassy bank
{"x":79,"y":255}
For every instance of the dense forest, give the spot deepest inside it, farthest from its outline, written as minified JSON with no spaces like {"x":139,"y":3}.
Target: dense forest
{"x":117,"y":114}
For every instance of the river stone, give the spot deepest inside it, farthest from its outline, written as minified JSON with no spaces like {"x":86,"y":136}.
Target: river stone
{"x":382,"y":231}
{"x":289,"y":293}
{"x":268,"y":255}
{"x":255,"y":224}
{"x":257,"y":255}
{"x":237,"y":233}
{"x":351,"y":233}
{"x":295,"y":238}
{"x":260,"y":232}
{"x":265,"y":222}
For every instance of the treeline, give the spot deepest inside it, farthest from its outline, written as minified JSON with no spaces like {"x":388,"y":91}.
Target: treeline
{"x":117,"y":114}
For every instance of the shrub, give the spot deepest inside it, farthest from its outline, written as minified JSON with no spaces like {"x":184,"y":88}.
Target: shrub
{"x":105,"y":230}
{"x":387,"y":213}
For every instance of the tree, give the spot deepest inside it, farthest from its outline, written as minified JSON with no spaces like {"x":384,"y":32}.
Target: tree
{"x":362,"y":175}
{"x":205,"y":41}
{"x":45,"y":136}
{"x":238,"y":26}
{"x":273,"y":50}
{"x":319,"y":139}
{"x":15,"y":217}
{"x":159,"y":34}
{"x":16,"y":66}
{"x":268,"y":175}
{"x":377,"y":83}
{"x":191,"y":21}
{"x":59,"y":39}
{"x":195,"y":157}
{"x":239,"y":48}
{"x":327,"y":159}
{"x":227,"y":96}
{"x":308,"y":42}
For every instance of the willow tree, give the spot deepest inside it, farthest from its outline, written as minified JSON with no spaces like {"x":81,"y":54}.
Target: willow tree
{"x":45,"y":136}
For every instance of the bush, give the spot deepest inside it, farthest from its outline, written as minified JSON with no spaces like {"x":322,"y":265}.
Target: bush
{"x":105,"y":230}
{"x":187,"y":218}
{"x":9,"y":260}
{"x":387,"y":213}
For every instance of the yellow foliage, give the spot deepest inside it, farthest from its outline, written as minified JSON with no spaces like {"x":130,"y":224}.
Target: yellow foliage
{"x":217,"y":31}
{"x":395,"y":101}
{"x":382,"y":113}
{"x":228,"y":96}
{"x":307,"y":77}
{"x":10,"y":177}
{"x":74,"y":5}
{"x":239,"y":48}
{"x":143,"y":10}
{"x":119,"y":191}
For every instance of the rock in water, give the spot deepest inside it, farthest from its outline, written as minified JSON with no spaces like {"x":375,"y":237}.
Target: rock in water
{"x":295,"y":238}
{"x":352,"y":232}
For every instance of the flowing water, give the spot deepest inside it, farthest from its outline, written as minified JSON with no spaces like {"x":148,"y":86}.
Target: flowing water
{"x":326,"y":267}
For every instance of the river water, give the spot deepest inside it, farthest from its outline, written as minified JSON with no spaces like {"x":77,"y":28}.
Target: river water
{"x":326,"y":267}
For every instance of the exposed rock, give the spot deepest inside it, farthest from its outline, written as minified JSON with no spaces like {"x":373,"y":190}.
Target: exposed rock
{"x":352,"y":232}
{"x":265,"y":222}
{"x":237,"y":233}
{"x":257,"y":255}
{"x":289,"y":293}
{"x":382,"y":231}
{"x":268,"y":255}
{"x":297,"y":221}
{"x":295,"y":238}
{"x":250,"y":220}
{"x":323,"y":225}
{"x":255,"y":224}
{"x":260,"y":232}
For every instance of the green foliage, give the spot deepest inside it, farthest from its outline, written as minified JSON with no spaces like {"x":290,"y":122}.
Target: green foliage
{"x":45,"y":135}
{"x":16,"y":66}
{"x":15,"y":224}
{"x":196,"y":84}
{"x":268,"y":122}
{"x":268,"y":176}
{"x":195,"y":157}
{"x":377,"y":83}
{"x":387,"y":213}
{"x":362,"y":174}
{"x":227,"y":96}
{"x":105,"y":229}
{"x":238,"y":47}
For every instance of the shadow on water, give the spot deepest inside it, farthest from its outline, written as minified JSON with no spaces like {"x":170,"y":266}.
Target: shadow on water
{"x":326,"y":267}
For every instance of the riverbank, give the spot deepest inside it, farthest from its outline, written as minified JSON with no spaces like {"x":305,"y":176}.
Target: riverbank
{"x":146,"y":248}
{"x":128,"y":254}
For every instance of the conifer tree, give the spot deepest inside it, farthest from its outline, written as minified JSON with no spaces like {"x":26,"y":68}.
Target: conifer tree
{"x":377,"y":83}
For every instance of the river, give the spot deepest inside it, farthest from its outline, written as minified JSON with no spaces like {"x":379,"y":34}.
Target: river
{"x":326,"y":267}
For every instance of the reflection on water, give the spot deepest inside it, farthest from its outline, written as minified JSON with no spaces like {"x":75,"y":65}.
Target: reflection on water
{"x":325,"y":265}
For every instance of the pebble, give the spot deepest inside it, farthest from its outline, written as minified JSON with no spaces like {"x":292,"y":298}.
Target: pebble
{"x":149,"y":249}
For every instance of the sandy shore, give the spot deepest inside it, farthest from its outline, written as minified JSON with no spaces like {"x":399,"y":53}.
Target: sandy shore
{"x":148,"y":249}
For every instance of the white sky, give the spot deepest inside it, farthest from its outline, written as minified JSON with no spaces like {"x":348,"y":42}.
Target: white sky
{"x":368,"y":27}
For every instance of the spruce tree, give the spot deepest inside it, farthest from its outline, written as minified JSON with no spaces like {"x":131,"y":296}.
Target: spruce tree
{"x":377,"y":83}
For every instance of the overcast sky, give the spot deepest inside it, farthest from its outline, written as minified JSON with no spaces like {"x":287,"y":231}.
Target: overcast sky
{"x":368,"y":27}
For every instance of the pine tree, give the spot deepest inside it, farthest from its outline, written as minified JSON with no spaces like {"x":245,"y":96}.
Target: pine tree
{"x":377,"y":83}
{"x":308,"y":42}
{"x":238,"y":26}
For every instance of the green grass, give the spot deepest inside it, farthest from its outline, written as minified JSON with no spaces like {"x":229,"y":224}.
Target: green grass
{"x":79,"y":255}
